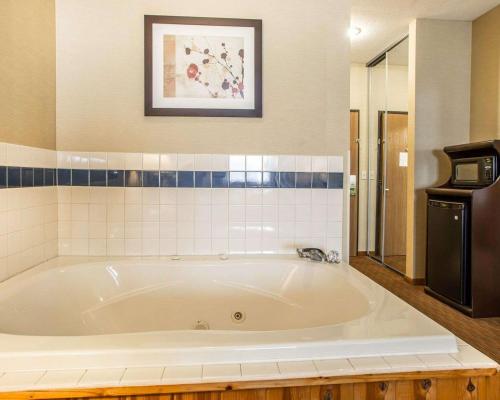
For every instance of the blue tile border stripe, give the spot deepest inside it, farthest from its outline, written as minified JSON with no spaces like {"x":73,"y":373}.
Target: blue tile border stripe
{"x":17,"y":177}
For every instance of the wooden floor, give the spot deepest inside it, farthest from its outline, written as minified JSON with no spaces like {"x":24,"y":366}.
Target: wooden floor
{"x":482,"y":333}
{"x":396,"y":262}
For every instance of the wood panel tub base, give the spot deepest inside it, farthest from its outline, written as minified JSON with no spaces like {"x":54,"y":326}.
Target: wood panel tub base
{"x":480,"y":384}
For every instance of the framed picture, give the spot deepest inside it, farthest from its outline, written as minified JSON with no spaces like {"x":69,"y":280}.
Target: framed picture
{"x":204,"y":67}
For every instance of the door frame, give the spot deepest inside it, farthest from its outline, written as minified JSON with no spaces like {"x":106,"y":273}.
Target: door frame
{"x":357,"y":187}
{"x":380,"y":170}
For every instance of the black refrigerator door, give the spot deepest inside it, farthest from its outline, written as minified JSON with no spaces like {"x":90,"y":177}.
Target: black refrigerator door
{"x":446,"y":250}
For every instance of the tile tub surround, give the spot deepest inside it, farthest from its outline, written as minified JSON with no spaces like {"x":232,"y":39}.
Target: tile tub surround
{"x":28,"y":215}
{"x":165,"y":204}
{"x":467,"y":358}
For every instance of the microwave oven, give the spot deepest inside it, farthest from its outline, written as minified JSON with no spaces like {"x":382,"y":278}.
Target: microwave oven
{"x":474,"y":171}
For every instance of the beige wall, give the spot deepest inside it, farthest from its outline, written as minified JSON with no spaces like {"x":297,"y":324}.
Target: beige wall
{"x":485,"y":85}
{"x":438,"y":116}
{"x":305,"y":79}
{"x":27,"y":72}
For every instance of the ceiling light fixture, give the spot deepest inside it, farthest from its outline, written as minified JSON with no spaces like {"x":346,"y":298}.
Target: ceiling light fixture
{"x":354,"y":31}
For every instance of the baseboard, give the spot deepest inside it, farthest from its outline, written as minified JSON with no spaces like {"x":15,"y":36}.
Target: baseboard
{"x":415,"y":281}
{"x":361,"y":254}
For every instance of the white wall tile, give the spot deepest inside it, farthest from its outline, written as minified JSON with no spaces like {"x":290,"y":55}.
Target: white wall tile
{"x":185,"y":196}
{"x":116,"y":247}
{"x":319,"y":196}
{"x":303,"y":163}
{"x":116,"y":160}
{"x":98,"y":160}
{"x":80,"y":160}
{"x":303,"y":197}
{"x":150,"y":162}
{"x":203,"y":162}
{"x":185,"y":162}
{"x":270,"y":196}
{"x":63,"y":159}
{"x":286,"y":197}
{"x":335,"y":164}
{"x":236,"y":245}
{"x":202,"y":196}
{"x":220,"y":245}
{"x":237,"y":163}
{"x":253,"y":163}
{"x":168,"y":196}
{"x":202,"y":246}
{"x":270,"y":163}
{"x":237,"y":197}
{"x":286,"y":163}
{"x":97,"y":247}
{"x":185,"y":246}
{"x":168,"y":162}
{"x":220,"y":162}
{"x":168,"y":246}
{"x":319,"y":164}
{"x":253,"y":196}
{"x":151,"y":221}
{"x":133,"y":161}
{"x":3,"y":153}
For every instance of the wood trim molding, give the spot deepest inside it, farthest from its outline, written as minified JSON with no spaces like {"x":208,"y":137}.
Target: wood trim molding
{"x":415,"y":281}
{"x":243,"y":385}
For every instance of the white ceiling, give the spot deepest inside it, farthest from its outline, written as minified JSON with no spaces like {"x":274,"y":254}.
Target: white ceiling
{"x":384,"y":22}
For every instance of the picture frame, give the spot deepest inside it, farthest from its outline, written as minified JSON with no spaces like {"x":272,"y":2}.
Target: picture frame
{"x":202,"y":67}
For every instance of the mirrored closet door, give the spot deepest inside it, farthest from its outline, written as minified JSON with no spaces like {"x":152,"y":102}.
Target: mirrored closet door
{"x":388,"y":156}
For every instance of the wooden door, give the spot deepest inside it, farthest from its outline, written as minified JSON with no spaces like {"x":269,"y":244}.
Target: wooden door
{"x":395,"y":150}
{"x":353,"y":202}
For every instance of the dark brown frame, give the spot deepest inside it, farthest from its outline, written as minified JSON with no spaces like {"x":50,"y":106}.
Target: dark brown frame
{"x":357,"y":185}
{"x":149,"y":110}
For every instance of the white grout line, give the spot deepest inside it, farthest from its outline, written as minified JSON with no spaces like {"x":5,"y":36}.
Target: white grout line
{"x":81,"y":377}
{"x":121,"y":377}
{"x":40,"y":378}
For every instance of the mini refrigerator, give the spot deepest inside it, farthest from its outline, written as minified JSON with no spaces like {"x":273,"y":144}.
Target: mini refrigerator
{"x":448,"y":262}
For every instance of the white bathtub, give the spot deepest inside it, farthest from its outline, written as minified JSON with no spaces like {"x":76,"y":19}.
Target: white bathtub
{"x":90,"y":312}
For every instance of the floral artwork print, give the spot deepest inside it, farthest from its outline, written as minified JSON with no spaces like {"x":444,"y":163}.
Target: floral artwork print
{"x":204,"y":67}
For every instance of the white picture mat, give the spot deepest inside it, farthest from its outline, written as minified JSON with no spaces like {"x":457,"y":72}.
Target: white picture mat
{"x":247,"y":33}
